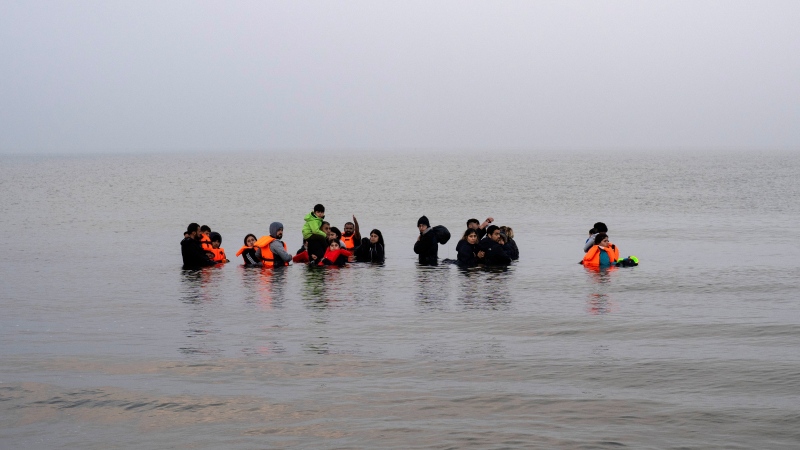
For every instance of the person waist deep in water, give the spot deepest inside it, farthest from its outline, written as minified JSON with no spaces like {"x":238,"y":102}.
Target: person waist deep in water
{"x":602,"y":254}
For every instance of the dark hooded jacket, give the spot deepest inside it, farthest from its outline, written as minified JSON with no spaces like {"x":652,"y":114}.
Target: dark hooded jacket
{"x":194,"y":257}
{"x":427,"y":248}
{"x":369,"y":252}
{"x":467,"y":253}
{"x":512,"y":249}
{"x":494,"y":253}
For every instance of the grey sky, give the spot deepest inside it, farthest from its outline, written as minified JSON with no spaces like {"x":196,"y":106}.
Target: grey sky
{"x":162,"y":75}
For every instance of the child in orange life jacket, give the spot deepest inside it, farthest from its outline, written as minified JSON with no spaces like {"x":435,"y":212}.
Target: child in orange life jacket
{"x":602,"y":254}
{"x":335,"y":255}
{"x":205,"y":240}
{"x":250,"y":253}
{"x":217,"y":254}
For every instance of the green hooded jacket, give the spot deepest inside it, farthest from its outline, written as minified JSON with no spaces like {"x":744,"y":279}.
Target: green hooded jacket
{"x":312,"y":226}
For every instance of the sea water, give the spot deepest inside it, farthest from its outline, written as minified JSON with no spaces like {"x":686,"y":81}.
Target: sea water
{"x":107,"y":343}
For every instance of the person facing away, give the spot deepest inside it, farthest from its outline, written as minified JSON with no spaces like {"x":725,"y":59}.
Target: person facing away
{"x":217,"y":253}
{"x":602,"y":254}
{"x":314,"y":233}
{"x":273,"y":250}
{"x":492,"y":246}
{"x":351,"y":236}
{"x":372,"y":248}
{"x":335,"y":255}
{"x":427,"y":247}
{"x":192,"y":252}
{"x":599,"y":227}
{"x":469,"y":254}
{"x":510,"y":245}
{"x":479,"y":227}
{"x":249,"y":252}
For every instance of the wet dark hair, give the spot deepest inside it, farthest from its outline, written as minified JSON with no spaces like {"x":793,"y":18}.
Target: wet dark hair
{"x":324,"y":222}
{"x":331,"y":241}
{"x":599,"y":238}
{"x":475,"y":221}
{"x":319,"y":207}
{"x":380,"y":235}
{"x":337,"y":232}
{"x":468,"y":232}
{"x":592,"y":231}
{"x":205,"y":228}
{"x":192,"y":228}
{"x":245,"y":238}
{"x":349,"y":223}
{"x":215,"y":237}
{"x":490,"y":229}
{"x":600,"y":227}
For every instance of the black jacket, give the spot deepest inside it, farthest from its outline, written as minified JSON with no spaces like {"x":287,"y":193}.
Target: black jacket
{"x":428,"y":249}
{"x":495,"y":254}
{"x":369,"y":252}
{"x":193,"y":255}
{"x":512,"y":250}
{"x":467,"y":253}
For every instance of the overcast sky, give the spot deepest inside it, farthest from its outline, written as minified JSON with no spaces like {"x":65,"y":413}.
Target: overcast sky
{"x":175,"y":75}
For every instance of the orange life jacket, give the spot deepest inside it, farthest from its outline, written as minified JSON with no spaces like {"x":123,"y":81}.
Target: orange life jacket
{"x":266,"y":253}
{"x":349,"y":242}
{"x":205,"y":243}
{"x":592,"y":257}
{"x":219,"y":255}
{"x":241,"y":250}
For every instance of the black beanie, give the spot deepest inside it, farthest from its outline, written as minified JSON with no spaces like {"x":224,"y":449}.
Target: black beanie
{"x":423,"y":221}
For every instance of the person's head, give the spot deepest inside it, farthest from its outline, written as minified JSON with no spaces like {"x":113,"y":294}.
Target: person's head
{"x":592,"y":232}
{"x":333,"y":244}
{"x":325,"y":227}
{"x":600,"y":227}
{"x":493,"y":232}
{"x":503,"y":238}
{"x":601,"y":239}
{"x":276,"y":230}
{"x":349,"y":229}
{"x":192,"y":230}
{"x":335,"y":232}
{"x":319,"y":210}
{"x":250,"y":240}
{"x":471,"y":236}
{"x":508,"y":232}
{"x":205,"y":229}
{"x":473,"y":224}
{"x":423,"y":224}
{"x":375,"y":237}
{"x":216,"y":239}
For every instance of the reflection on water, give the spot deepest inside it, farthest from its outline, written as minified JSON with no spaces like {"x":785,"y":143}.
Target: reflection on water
{"x":264,"y":286}
{"x":600,"y":302}
{"x":432,"y":287}
{"x":484,"y":288}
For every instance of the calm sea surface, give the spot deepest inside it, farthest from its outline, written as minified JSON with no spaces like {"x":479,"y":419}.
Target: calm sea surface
{"x":106,"y":343}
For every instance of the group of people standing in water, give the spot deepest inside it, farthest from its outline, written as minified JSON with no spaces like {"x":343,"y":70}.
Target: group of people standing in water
{"x":323,"y":245}
{"x":481,"y":243}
